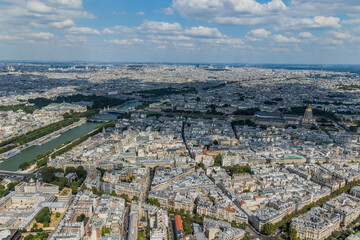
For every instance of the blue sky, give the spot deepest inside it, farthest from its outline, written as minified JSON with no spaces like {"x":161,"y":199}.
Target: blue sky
{"x":217,"y":31}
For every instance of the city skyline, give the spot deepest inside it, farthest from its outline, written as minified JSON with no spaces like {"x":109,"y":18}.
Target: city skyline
{"x":221,"y":31}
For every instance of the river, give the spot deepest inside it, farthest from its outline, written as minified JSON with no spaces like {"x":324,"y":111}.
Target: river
{"x":12,"y":164}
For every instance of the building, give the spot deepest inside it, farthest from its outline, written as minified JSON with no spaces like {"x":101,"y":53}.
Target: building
{"x":180,"y":234}
{"x":133,"y":223}
{"x":316,"y":224}
{"x":265,"y":215}
{"x":65,"y":195}
{"x":355,"y":191}
{"x":308,"y":116}
{"x":65,"y":107}
{"x":216,"y":230}
{"x":36,"y":187}
{"x":346,"y":205}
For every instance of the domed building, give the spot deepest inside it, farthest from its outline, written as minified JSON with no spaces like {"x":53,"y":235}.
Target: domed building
{"x":308,"y":116}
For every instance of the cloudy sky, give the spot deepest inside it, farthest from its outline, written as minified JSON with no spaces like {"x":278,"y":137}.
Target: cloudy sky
{"x":218,"y":31}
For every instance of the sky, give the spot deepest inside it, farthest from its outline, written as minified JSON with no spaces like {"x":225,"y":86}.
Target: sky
{"x":181,"y":31}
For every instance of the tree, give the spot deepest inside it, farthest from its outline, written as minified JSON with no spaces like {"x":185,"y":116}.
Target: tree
{"x":70,"y":170}
{"x":61,"y":182}
{"x":80,"y":218}
{"x":198,"y":219}
{"x":24,"y":165}
{"x":277,"y":238}
{"x":43,"y":216}
{"x":81,"y":172}
{"x":102,"y":171}
{"x":113,"y":193}
{"x":247,"y":237}
{"x":104,"y":231}
{"x":125,"y":196}
{"x":269,"y":228}
{"x":57,"y":214}
{"x":147,"y":230}
{"x":74,"y":187}
{"x":48,"y":177}
{"x":153,"y":201}
{"x":29,"y":237}
{"x":11,"y":186}
{"x":292,"y":234}
{"x":135,"y":198}
{"x":202,"y":165}
{"x":141,"y":235}
{"x":241,"y":225}
{"x":217,"y":160}
{"x":46,"y":219}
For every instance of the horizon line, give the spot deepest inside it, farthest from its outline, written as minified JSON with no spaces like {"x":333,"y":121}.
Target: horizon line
{"x":169,"y":62}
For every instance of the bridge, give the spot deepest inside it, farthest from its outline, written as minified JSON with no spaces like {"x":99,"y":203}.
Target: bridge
{"x":117,"y":109}
{"x":96,"y":120}
{"x":4,"y":173}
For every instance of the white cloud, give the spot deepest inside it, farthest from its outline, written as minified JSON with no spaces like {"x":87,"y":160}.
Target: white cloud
{"x":257,"y":34}
{"x":331,"y":41}
{"x":305,"y":35}
{"x":37,"y":6}
{"x":225,"y":8}
{"x":231,"y":42}
{"x":351,"y":21}
{"x":76,"y":38}
{"x":140,"y":13}
{"x":317,"y":22}
{"x":63,"y":24}
{"x":173,"y":38}
{"x":6,"y":37}
{"x":20,"y":18}
{"x":345,"y":36}
{"x":43,"y":35}
{"x":160,"y":27}
{"x":283,"y":39}
{"x":126,"y":42}
{"x":66,"y":3}
{"x":82,"y":30}
{"x":341,"y":35}
{"x":273,"y":14}
{"x":183,"y":44}
{"x":324,"y":7}
{"x":203,"y":32}
{"x":108,"y":31}
{"x":167,"y":11}
{"x":173,"y":34}
{"x":240,"y":12}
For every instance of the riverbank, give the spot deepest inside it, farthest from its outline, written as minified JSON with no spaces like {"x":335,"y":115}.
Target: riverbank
{"x":33,"y":164}
{"x":30,"y":153}
{"x":41,"y":140}
{"x":38,"y":153}
{"x":9,"y":145}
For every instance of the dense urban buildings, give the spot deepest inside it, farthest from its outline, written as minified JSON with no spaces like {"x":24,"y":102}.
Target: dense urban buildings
{"x":162,"y":151}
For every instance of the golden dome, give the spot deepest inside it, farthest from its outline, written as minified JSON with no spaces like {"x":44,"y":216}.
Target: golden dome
{"x":308,"y":109}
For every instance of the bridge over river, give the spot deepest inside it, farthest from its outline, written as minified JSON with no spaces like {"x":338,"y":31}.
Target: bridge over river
{"x":19,"y":175}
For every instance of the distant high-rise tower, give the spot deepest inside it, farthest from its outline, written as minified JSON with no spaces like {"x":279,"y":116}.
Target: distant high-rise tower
{"x":308,"y":116}
{"x":10,"y":69}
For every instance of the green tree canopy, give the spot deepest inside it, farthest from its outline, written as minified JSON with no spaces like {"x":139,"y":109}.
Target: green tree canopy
{"x":269,"y":228}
